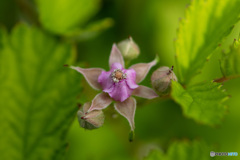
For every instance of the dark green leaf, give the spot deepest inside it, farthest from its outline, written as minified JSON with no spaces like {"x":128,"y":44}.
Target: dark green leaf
{"x":38,"y":95}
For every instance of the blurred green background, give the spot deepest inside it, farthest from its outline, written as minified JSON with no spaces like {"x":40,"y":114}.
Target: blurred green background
{"x":91,"y":32}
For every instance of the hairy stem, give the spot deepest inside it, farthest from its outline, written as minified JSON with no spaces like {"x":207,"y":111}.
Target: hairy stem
{"x":223,"y":79}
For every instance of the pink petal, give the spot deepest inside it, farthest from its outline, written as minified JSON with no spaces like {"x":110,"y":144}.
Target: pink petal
{"x":127,"y":109}
{"x":100,"y":101}
{"x":116,"y":66}
{"x":91,"y":75}
{"x":142,"y":70}
{"x":131,"y":78}
{"x":145,"y":92}
{"x":106,"y":81}
{"x":115,"y":56}
{"x":120,"y":91}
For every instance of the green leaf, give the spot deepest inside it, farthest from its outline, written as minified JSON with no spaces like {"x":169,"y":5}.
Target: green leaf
{"x":62,"y":16}
{"x":38,"y":95}
{"x":230,"y":61}
{"x":207,"y":22}
{"x":202,"y":102}
{"x":183,"y":150}
{"x":90,"y":30}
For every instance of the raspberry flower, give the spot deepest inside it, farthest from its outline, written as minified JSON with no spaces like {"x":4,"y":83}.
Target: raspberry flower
{"x":118,"y":85}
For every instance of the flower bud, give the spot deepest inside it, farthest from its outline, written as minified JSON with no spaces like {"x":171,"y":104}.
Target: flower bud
{"x":161,"y":79}
{"x":129,"y":49}
{"x":90,"y":120}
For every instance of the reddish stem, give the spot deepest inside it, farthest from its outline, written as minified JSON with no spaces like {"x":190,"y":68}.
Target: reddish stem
{"x":223,"y":79}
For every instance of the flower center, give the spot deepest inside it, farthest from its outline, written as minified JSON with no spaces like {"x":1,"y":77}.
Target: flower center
{"x":118,"y":75}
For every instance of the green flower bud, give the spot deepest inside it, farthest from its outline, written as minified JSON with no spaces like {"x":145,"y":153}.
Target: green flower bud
{"x":161,"y":79}
{"x":129,"y":49}
{"x":90,"y":120}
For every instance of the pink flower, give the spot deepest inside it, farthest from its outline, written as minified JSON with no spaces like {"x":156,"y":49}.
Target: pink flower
{"x":118,"y":84}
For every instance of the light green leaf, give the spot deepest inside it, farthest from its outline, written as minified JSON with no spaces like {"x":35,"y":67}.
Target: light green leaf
{"x":207,"y":22}
{"x":62,"y":16}
{"x":183,"y":150}
{"x":202,"y":102}
{"x":90,"y":30}
{"x":230,"y":62}
{"x":38,"y":95}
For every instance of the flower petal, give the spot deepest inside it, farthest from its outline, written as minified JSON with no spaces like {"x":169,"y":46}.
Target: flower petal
{"x":142,"y":69}
{"x":145,"y":92}
{"x":106,"y":81}
{"x":120,"y":91}
{"x":131,"y":78}
{"x":116,"y":66}
{"x":127,"y":109}
{"x":115,"y":56}
{"x":100,"y":101}
{"x":91,"y":75}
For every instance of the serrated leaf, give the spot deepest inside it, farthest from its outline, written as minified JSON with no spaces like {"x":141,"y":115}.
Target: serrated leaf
{"x":38,"y":95}
{"x":62,"y":16}
{"x":230,"y":61}
{"x":207,"y":22}
{"x":183,"y":150}
{"x":202,"y":102}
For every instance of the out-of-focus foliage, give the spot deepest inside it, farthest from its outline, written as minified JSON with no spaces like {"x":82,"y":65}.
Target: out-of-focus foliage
{"x":62,"y":16}
{"x":202,"y":102}
{"x":8,"y":7}
{"x":100,"y":144}
{"x":230,"y":62}
{"x":91,"y":30}
{"x":182,"y":151}
{"x":207,"y":22}
{"x":38,"y":95}
{"x":68,"y":17}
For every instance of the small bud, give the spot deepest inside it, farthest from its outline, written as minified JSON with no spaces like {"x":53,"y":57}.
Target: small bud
{"x":90,"y":120}
{"x":129,"y":49}
{"x":161,"y":79}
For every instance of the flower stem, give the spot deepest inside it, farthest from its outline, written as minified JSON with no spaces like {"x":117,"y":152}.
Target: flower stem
{"x":223,"y":79}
